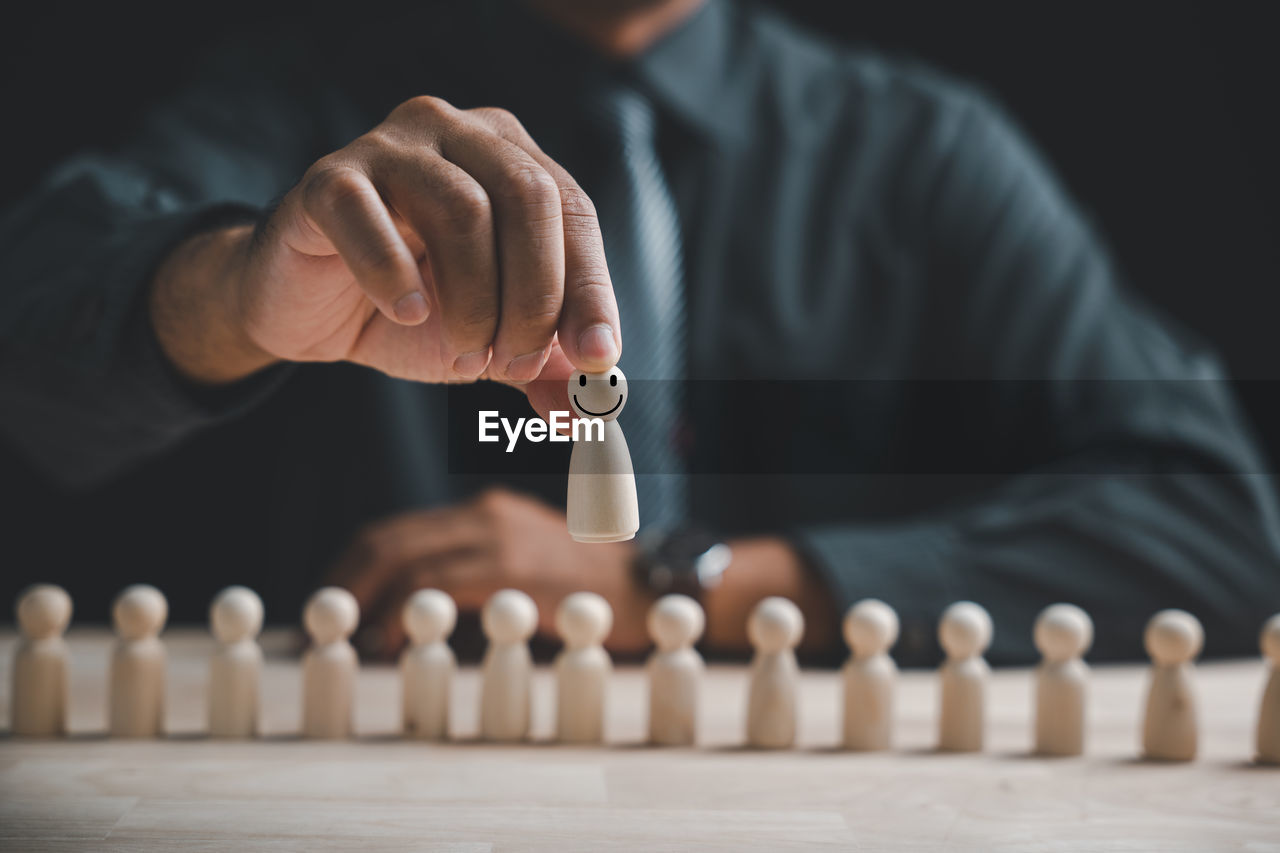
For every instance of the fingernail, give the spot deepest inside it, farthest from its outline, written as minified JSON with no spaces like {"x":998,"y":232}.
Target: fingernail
{"x":471,"y":364}
{"x":411,"y":309}
{"x":526,"y":367}
{"x":597,"y":343}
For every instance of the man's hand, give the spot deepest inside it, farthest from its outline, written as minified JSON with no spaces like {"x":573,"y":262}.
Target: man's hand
{"x":499,"y":539}
{"x":443,"y":245}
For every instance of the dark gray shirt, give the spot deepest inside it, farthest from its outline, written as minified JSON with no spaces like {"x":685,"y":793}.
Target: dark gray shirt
{"x":909,"y":350}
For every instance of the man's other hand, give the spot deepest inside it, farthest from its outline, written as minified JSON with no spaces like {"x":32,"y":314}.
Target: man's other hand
{"x":443,"y":245}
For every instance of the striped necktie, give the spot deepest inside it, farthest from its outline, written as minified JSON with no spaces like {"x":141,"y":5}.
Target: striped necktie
{"x":642,"y":243}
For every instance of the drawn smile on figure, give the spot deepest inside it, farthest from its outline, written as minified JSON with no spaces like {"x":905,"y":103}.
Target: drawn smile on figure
{"x":593,"y":396}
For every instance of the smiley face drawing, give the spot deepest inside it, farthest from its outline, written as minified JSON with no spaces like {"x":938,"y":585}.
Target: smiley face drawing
{"x":598,"y":395}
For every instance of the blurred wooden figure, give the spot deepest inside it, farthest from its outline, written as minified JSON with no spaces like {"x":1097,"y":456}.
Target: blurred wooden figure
{"x":583,"y":620}
{"x":508,"y":619}
{"x":428,"y":665}
{"x":330,"y":666}
{"x":965,"y":633}
{"x":236,"y":668}
{"x":1269,"y":713}
{"x":1063,"y":633}
{"x":774,"y":628}
{"x":1169,"y":733}
{"x":870,"y":629}
{"x":675,"y":670}
{"x":40,"y":663}
{"x":136,"y":704}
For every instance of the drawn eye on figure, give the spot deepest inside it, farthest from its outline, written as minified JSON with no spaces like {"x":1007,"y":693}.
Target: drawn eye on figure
{"x":591,"y":396}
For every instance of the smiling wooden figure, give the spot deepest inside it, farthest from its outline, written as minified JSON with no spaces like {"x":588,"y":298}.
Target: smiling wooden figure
{"x":602,"y":504}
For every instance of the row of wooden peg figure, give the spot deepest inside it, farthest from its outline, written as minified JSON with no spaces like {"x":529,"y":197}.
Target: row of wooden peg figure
{"x":1063,"y":633}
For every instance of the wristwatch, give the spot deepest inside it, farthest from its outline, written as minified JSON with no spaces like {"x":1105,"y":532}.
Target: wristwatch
{"x":687,"y":560}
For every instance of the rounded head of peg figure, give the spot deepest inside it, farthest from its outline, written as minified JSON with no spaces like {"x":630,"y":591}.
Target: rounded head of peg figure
{"x":1270,"y":639}
{"x":598,"y":395}
{"x":331,"y":614}
{"x":583,"y":619}
{"x":1063,"y":632}
{"x":1173,"y":637}
{"x":775,"y":624}
{"x":429,"y":616}
{"x":509,"y":616}
{"x":236,"y":615}
{"x":44,"y":611}
{"x":675,"y":622}
{"x":965,"y":630}
{"x":139,"y":611}
{"x":870,"y":627}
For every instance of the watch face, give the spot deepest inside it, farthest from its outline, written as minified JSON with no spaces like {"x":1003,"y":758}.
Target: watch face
{"x":688,"y":561}
{"x":711,"y":564}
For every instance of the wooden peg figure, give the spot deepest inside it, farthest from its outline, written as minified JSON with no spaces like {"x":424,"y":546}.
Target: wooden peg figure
{"x":330,"y":666}
{"x":1269,"y":713}
{"x":136,"y":705}
{"x":236,"y":668}
{"x":40,"y":663}
{"x":774,"y":628}
{"x":428,"y":665}
{"x":1173,"y":639}
{"x":675,"y":670}
{"x":583,"y":620}
{"x":965,"y":633}
{"x":602,"y":504}
{"x":1063,"y":633}
{"x":871,"y":629}
{"x":508,"y":620}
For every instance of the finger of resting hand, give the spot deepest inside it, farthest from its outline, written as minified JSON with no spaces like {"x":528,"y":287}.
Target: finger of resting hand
{"x":589,"y":328}
{"x":379,"y":554}
{"x":530,"y":245}
{"x":344,"y":205}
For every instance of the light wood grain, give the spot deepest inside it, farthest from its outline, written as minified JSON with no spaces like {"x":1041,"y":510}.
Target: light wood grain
{"x":90,"y":793}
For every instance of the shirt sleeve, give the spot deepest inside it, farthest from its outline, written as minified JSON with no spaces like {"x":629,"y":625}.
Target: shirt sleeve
{"x":86,"y":390}
{"x":1148,"y":491}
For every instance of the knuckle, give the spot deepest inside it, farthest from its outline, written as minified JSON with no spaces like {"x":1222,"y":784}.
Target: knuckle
{"x":329,"y":185}
{"x":500,"y":118}
{"x":539,"y":311}
{"x":424,"y":107}
{"x":465,"y":206}
{"x":591,"y":284}
{"x":474,"y":321}
{"x":532,"y":188}
{"x":578,"y":207}
{"x":379,"y":142}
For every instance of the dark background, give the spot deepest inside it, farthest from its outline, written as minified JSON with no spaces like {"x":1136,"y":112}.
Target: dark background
{"x":1160,"y":116}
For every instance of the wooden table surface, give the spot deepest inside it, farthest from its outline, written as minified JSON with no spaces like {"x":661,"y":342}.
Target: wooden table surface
{"x":88,"y":793}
